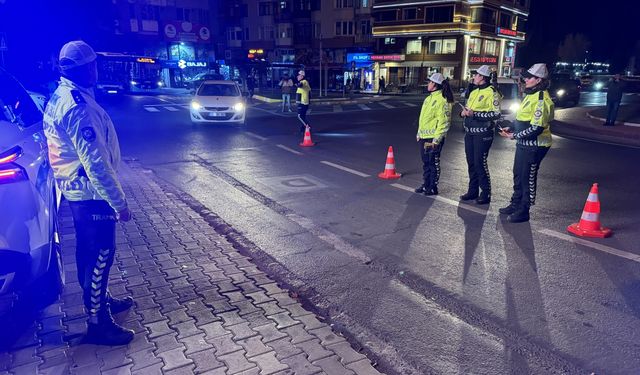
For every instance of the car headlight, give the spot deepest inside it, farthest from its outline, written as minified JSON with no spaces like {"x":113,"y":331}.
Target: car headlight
{"x":160,"y":83}
{"x":514,"y":107}
{"x":560,"y":92}
{"x":238,"y":107}
{"x":195,"y":105}
{"x":134,"y":82}
{"x":598,"y":85}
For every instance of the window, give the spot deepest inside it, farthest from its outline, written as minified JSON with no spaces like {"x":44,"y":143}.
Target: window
{"x":490,"y":47}
{"x":447,"y":71}
{"x":365,"y":27}
{"x":246,"y":34}
{"x":442,"y":46}
{"x":521,"y":24}
{"x":410,"y":14}
{"x":317,"y":31}
{"x":283,"y":5}
{"x":389,"y":40}
{"x":265,"y":8}
{"x":344,"y":28}
{"x":284,"y":31}
{"x":363,"y":3}
{"x":483,"y":15}
{"x":505,"y":21}
{"x":387,"y":15}
{"x":474,"y":46}
{"x":439,"y":14}
{"x":16,"y":106}
{"x":344,"y":3}
{"x":266,"y":33}
{"x":414,"y":47}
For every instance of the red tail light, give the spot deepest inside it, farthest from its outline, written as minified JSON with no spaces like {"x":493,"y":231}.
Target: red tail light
{"x":10,"y":171}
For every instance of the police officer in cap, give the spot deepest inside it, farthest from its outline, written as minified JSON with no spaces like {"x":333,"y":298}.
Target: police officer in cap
{"x":483,"y":108}
{"x":84,"y":154}
{"x":302,"y":98}
{"x":533,"y":139}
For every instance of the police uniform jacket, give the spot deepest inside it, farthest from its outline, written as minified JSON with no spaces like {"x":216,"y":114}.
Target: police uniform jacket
{"x":83,"y":146}
{"x":435,"y":117}
{"x":302,"y":92}
{"x":533,"y":119}
{"x":484,"y":100}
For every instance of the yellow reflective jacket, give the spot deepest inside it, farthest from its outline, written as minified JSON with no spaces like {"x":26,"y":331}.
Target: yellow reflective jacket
{"x":533,"y":119}
{"x":302,"y":92}
{"x":485,"y":103}
{"x":83,"y":146}
{"x":435,"y":117}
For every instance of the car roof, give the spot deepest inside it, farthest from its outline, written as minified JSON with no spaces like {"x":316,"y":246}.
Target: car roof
{"x":219,"y":82}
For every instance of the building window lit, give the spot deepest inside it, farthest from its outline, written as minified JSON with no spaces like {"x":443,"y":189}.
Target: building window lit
{"x":490,"y":47}
{"x":474,"y":46}
{"x":414,"y":47}
{"x":442,"y":46}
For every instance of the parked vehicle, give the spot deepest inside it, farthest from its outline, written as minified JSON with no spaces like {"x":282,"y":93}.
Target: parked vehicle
{"x":218,"y":101}
{"x":564,"y":90}
{"x":29,"y":241}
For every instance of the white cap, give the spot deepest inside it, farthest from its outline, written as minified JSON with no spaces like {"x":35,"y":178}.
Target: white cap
{"x":484,"y":70}
{"x":537,"y":70}
{"x":301,"y":73}
{"x":76,"y":53}
{"x":437,"y":78}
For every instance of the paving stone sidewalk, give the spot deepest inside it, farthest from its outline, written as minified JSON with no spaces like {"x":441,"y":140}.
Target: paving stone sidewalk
{"x":201,"y":306}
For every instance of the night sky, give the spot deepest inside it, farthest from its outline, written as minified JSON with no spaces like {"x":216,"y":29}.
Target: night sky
{"x":612,"y":26}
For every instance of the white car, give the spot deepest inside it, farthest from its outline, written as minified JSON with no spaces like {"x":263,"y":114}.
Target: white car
{"x":29,"y":242}
{"x":219,"y":102}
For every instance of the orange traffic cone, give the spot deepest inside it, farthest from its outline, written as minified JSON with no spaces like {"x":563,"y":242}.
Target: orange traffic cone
{"x":389,"y":172}
{"x":589,"y":225}
{"x":306,"y":142}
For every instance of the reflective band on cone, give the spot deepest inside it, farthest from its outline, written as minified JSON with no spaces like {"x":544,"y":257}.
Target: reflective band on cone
{"x":306,"y":142}
{"x":389,"y":172}
{"x":589,"y":225}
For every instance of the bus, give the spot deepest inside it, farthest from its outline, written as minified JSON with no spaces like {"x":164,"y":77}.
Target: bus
{"x":119,"y":73}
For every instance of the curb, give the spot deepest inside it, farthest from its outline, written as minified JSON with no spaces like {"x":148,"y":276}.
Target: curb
{"x":569,"y":130}
{"x":635,"y":124}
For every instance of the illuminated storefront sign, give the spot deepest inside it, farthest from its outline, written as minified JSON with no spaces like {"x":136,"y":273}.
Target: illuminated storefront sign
{"x":146,"y":60}
{"x":358,"y":57}
{"x":483,"y":59}
{"x":508,"y":32}
{"x":387,"y":57}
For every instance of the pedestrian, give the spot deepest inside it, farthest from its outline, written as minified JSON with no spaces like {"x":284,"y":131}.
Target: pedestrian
{"x":84,"y":154}
{"x":302,"y":98}
{"x":480,"y":113}
{"x":533,"y":140}
{"x":381,"y":85}
{"x":434,"y":122}
{"x":286,"y":84}
{"x":251,"y":86}
{"x":614,"y":97}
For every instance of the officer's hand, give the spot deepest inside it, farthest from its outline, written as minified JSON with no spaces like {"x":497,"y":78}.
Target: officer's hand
{"x":428,"y":145}
{"x":124,"y":215}
{"x":417,"y":138}
{"x":469,"y":112}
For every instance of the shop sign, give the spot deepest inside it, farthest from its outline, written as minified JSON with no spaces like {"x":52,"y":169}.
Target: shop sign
{"x":146,"y":60}
{"x":358,"y":57}
{"x":182,"y":64}
{"x":503,"y":31}
{"x":186,"y":32}
{"x":507,"y":59}
{"x":387,"y":57}
{"x":483,"y":59}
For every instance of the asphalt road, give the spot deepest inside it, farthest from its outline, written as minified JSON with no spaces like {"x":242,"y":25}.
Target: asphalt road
{"x":427,"y":285}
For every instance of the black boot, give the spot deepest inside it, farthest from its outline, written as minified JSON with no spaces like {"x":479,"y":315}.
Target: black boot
{"x":484,"y":198}
{"x":520,"y":216}
{"x":469,"y":195}
{"x":432,"y":191}
{"x":107,"y":332}
{"x":420,"y":189}
{"x":117,"y":305}
{"x":511,"y":208}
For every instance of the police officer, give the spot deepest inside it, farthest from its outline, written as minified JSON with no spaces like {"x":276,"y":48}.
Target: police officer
{"x":302,"y":98}
{"x":84,"y":155}
{"x":482,"y":109}
{"x":533,"y":140}
{"x":434,"y":122}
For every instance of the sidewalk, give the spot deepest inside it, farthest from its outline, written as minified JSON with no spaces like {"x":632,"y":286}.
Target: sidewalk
{"x":201,"y":306}
{"x":628,"y":115}
{"x":578,"y":123}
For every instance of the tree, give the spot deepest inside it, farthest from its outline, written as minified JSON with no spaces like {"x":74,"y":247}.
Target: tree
{"x":574,"y":48}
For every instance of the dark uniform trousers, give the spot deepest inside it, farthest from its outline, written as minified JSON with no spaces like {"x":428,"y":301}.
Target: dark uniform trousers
{"x":302,"y":116}
{"x":95,"y":225}
{"x":525,"y":175}
{"x":476,"y":147}
{"x":430,"y":163}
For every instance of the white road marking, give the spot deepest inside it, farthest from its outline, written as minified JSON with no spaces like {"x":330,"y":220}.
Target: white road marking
{"x":289,"y":149}
{"x":411,"y":104}
{"x":451,"y":202}
{"x":364,"y":107}
{"x":386,"y":105}
{"x":592,"y":245}
{"x":151,"y":109}
{"x":254,"y":135}
{"x":357,"y":173}
{"x":171,"y":109}
{"x":337,"y":108}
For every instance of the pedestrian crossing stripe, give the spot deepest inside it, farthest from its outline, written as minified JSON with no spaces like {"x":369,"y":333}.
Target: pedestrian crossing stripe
{"x":337,"y":108}
{"x":364,"y":107}
{"x":386,"y":105}
{"x":411,"y":104}
{"x":151,"y":109}
{"x":171,"y":109}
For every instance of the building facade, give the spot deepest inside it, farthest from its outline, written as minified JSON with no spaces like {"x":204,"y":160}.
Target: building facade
{"x":417,"y":38}
{"x":271,"y":38}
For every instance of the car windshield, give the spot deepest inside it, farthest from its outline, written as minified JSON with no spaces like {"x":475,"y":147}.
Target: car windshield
{"x":508,"y":90}
{"x":217,"y":89}
{"x":16,"y":106}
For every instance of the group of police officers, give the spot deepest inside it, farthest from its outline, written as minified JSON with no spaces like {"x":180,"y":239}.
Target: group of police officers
{"x":84,"y":154}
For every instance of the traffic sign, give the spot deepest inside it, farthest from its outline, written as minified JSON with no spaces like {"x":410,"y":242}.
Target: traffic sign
{"x":3,"y":42}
